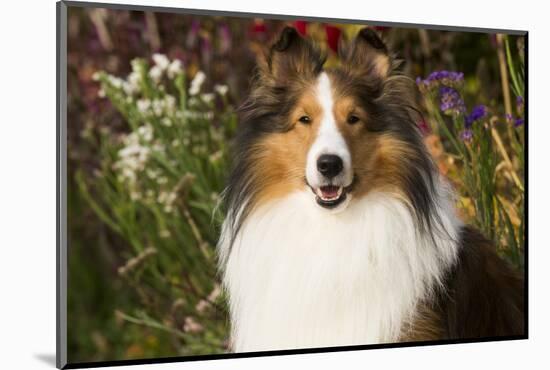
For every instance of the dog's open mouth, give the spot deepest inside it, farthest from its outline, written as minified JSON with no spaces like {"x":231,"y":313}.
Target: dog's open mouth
{"x":330,"y":196}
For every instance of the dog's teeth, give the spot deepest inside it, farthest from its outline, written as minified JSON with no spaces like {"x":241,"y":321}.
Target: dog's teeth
{"x":320,"y":194}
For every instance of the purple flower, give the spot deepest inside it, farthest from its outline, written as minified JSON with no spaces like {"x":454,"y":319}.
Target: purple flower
{"x":519,"y":104}
{"x":450,"y":100}
{"x":437,"y":78}
{"x":225,"y":38}
{"x":509,"y":117}
{"x":518,"y":122}
{"x":479,"y":112}
{"x":193,"y":34}
{"x":467,"y":135}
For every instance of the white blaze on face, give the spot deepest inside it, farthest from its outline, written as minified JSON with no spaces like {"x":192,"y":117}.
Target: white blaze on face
{"x":329,"y":140}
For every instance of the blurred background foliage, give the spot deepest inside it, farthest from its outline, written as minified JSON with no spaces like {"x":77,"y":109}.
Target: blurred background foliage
{"x":151,"y":115}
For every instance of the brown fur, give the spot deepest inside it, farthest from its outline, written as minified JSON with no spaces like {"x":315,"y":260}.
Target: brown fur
{"x":483,"y":297}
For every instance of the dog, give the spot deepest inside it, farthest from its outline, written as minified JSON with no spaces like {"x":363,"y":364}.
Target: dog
{"x":339,"y":230}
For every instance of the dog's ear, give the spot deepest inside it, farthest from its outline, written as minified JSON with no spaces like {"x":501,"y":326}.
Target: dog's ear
{"x":368,"y":55}
{"x":292,"y":57}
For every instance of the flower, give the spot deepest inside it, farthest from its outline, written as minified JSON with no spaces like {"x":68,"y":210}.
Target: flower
{"x":508,"y":117}
{"x":145,"y":132}
{"x":202,"y":306}
{"x":161,"y":61}
{"x":478,"y":112}
{"x":155,"y":73}
{"x":190,"y":325}
{"x":193,"y":34}
{"x":446,"y":78}
{"x":221,"y":89}
{"x":169,"y":103}
{"x":520,"y":103}
{"x":115,"y":81}
{"x":196,"y":83}
{"x":518,"y":122}
{"x":301,"y":27}
{"x":134,"y":79}
{"x":450,"y":100}
{"x":423,"y":127}
{"x":333,"y":36}
{"x":467,"y":135}
{"x":158,"y":107}
{"x":207,"y":98}
{"x":133,"y":156}
{"x":225,"y":38}
{"x":143,"y":105}
{"x":174,"y":68}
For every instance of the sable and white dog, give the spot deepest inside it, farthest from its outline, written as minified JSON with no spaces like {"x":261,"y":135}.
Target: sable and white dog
{"x":339,"y":229}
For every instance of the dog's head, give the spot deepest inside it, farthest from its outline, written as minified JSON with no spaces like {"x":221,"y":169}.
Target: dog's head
{"x":339,"y":133}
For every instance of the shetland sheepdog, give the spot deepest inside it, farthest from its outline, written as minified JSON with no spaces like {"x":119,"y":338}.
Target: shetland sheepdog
{"x":339,"y":229}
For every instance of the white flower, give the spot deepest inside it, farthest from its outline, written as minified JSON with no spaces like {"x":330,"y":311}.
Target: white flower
{"x":174,"y":68}
{"x":115,"y":81}
{"x":169,"y":103}
{"x":221,"y":89}
{"x":197,"y":82}
{"x":207,"y":98}
{"x":166,"y":122}
{"x":143,"y":105}
{"x":202,"y":306}
{"x":101,"y":93}
{"x":96,"y":76}
{"x":158,"y":106}
{"x":131,"y":159}
{"x":136,"y":65}
{"x":152,"y":174}
{"x":161,"y":61}
{"x":134,"y":78}
{"x":146,"y":132}
{"x":131,"y":85}
{"x":134,"y":195}
{"x":158,"y":147}
{"x":155,"y":73}
{"x":215,"y":293}
{"x":215,"y":157}
{"x":191,"y":325}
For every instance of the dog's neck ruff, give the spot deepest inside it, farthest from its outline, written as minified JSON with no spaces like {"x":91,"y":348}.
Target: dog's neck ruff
{"x":301,"y":277}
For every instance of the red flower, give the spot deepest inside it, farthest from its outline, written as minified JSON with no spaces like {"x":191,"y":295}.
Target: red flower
{"x":258,"y":27}
{"x":424,"y":127}
{"x":333,"y":36}
{"x":301,"y":27}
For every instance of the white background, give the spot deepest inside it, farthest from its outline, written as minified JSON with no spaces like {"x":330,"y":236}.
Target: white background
{"x":27,"y":181}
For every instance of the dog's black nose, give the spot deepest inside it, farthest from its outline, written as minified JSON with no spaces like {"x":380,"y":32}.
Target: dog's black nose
{"x":330,"y":165}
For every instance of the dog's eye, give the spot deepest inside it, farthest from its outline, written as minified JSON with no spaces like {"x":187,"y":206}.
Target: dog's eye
{"x":305,"y":120}
{"x":352,"y":119}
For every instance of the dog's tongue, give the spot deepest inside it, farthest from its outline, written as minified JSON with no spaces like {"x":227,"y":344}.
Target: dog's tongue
{"x":329,"y":191}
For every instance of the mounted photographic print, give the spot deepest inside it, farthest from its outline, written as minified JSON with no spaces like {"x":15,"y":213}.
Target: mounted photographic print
{"x":235,"y":184}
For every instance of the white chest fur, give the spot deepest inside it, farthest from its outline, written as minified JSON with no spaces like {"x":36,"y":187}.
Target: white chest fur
{"x":299,"y":276}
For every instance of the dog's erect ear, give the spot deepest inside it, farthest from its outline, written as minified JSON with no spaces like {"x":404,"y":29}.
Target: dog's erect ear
{"x":368,"y":55}
{"x":292,"y":57}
